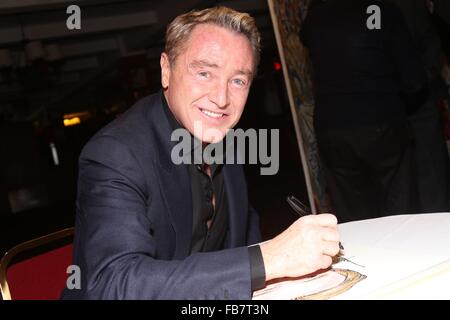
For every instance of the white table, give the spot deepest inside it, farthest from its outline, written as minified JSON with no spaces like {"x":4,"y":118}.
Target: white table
{"x":404,"y":256}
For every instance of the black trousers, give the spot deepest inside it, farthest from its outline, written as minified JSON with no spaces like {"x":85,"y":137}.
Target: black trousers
{"x":370,"y":171}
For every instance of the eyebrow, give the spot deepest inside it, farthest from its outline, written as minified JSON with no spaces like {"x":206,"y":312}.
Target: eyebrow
{"x":205,"y":63}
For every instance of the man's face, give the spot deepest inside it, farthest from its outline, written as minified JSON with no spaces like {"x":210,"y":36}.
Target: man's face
{"x":207,"y":86}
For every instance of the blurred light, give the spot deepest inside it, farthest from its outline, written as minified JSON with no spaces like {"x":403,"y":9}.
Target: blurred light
{"x":54,"y":154}
{"x":72,"y":121}
{"x":277,"y":66}
{"x":81,"y":115}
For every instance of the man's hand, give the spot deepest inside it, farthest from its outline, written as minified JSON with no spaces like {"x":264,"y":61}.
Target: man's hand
{"x":306,"y":246}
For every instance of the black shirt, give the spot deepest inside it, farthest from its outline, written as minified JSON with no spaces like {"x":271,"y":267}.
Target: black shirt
{"x":204,"y":188}
{"x":210,"y":223}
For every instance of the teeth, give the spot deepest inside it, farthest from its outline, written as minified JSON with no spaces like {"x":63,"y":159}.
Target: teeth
{"x":212,"y":114}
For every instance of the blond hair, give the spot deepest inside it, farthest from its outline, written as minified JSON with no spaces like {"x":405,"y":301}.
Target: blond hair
{"x":179,"y":30}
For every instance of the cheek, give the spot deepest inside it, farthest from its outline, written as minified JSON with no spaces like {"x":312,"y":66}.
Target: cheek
{"x":195,"y":91}
{"x":239,"y":100}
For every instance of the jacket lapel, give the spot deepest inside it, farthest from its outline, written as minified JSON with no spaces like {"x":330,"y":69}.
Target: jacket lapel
{"x":174,"y":183}
{"x":237,"y":203}
{"x":176,"y":191}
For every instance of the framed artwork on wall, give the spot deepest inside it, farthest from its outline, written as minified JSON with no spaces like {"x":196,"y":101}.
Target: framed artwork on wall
{"x":287,"y":17}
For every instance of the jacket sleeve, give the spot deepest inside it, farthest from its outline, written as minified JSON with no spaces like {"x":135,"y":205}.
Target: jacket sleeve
{"x":116,"y":250}
{"x":253,"y":227}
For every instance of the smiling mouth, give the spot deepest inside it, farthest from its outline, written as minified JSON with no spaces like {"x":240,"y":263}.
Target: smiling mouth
{"x":212,"y":114}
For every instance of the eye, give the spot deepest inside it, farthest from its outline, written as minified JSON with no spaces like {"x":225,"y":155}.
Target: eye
{"x":239,"y":82}
{"x":204,"y":74}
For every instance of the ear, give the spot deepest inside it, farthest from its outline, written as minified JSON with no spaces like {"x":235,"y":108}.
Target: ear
{"x":165,"y":70}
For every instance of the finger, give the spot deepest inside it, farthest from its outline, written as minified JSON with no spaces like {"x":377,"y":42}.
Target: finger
{"x":330,"y":234}
{"x":325,"y":262}
{"x":330,"y":248}
{"x":326,"y":220}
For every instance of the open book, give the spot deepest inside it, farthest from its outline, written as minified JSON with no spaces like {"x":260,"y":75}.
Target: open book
{"x":403,"y":256}
{"x":429,"y":283}
{"x":321,"y":285}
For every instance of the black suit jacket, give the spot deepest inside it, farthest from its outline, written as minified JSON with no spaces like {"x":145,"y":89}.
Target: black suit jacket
{"x":134,"y":218}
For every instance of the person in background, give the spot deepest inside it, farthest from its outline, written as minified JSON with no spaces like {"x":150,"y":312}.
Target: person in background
{"x":147,"y":228}
{"x":433,"y":163}
{"x":366,"y":80}
{"x":442,"y":9}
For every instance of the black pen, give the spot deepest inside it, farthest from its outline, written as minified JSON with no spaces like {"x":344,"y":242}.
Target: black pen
{"x":302,"y":210}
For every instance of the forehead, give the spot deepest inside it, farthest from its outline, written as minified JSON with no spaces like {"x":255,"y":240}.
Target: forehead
{"x":219,"y":46}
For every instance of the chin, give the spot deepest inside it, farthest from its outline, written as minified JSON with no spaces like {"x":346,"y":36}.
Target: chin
{"x":208,"y":133}
{"x":212,"y":139}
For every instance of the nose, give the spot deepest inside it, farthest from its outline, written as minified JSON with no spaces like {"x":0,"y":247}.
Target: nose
{"x":219,"y":94}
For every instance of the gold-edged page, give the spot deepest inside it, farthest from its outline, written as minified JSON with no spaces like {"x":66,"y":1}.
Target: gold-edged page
{"x":319,"y":286}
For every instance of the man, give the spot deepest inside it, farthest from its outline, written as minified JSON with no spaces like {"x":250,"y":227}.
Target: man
{"x":367,"y":78}
{"x":431,"y":153}
{"x":149,"y":229}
